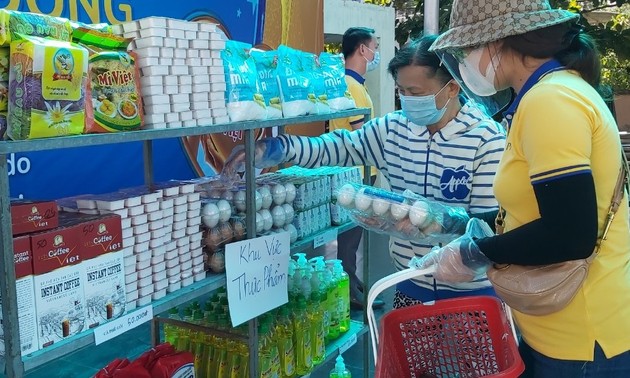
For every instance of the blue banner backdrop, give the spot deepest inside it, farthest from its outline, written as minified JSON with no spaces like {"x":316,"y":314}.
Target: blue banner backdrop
{"x":101,"y":169}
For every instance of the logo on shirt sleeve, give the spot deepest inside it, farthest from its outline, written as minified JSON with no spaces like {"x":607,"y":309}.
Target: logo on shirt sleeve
{"x":455,"y":183}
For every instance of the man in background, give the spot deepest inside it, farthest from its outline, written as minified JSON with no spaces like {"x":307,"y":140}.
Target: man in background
{"x":360,"y":51}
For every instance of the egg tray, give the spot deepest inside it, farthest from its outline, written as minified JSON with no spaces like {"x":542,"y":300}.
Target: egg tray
{"x":406,"y":216}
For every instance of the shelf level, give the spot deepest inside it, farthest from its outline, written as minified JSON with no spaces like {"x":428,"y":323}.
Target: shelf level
{"x":312,"y":241}
{"x":7,"y":147}
{"x":184,"y":295}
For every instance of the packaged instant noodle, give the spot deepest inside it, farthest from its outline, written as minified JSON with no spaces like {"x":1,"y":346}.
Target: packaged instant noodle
{"x":113,"y":89}
{"x":4,"y":64}
{"x":244,"y":100}
{"x":333,"y":70}
{"x":266,"y":64}
{"x":296,"y":86}
{"x":47,"y":83}
{"x":15,"y":25}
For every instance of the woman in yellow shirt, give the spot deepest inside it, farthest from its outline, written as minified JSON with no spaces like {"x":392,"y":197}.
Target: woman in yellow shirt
{"x":555,"y":179}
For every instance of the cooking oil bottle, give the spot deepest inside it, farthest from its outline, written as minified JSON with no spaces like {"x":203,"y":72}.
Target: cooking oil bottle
{"x":340,"y":370}
{"x":343,"y":282}
{"x":171,"y":332}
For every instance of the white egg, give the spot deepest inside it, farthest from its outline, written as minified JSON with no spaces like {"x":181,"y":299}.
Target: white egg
{"x":225,"y":210}
{"x":346,"y":194}
{"x":259,"y":201}
{"x":278,"y":216}
{"x":289,"y":213}
{"x":362,"y":201}
{"x":279,"y":194}
{"x":210,"y":215}
{"x":380,"y":206}
{"x":291,"y":192}
{"x":419,"y":213}
{"x":267,"y":199}
{"x":267,"y":219}
{"x":239,"y":200}
{"x":260,"y":223}
{"x":292,"y":231}
{"x":399,"y":210}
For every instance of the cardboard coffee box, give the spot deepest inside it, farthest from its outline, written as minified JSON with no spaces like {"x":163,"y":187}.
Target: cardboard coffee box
{"x":25,"y":296}
{"x":33,"y":216}
{"x":58,"y":282}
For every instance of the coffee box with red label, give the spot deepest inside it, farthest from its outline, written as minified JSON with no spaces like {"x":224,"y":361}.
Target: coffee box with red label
{"x":33,"y":216}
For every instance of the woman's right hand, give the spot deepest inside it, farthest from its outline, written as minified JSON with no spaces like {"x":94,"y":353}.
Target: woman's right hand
{"x":268,"y":152}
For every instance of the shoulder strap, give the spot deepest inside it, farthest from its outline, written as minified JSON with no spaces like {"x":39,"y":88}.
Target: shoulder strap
{"x":621,"y":187}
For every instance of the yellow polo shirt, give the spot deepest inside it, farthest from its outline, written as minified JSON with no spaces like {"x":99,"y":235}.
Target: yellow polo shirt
{"x":562,"y":126}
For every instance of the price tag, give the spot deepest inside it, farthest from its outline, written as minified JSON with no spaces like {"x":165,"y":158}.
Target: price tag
{"x":348,"y":344}
{"x":325,"y":237}
{"x":123,"y":324}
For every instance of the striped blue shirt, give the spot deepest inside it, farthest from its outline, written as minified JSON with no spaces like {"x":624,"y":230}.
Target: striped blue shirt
{"x":455,"y":166}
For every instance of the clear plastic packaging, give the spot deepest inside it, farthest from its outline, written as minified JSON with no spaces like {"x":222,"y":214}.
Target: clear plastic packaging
{"x":407,"y":216}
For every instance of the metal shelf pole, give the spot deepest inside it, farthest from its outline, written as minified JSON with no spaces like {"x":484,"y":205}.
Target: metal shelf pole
{"x":250,"y":223}
{"x":147,"y":151}
{"x":367,"y":180}
{"x":14,"y":367}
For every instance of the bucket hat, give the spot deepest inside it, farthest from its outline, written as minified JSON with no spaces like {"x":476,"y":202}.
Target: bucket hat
{"x":475,"y":23}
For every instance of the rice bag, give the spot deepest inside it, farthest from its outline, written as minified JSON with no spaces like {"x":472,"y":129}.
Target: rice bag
{"x":14,"y":25}
{"x":47,"y":83}
{"x":296,"y":89}
{"x":266,"y":64}
{"x":113,"y":89}
{"x":4,"y":64}
{"x":310,"y":63}
{"x":4,"y":96}
{"x":333,"y":69}
{"x":244,"y":100}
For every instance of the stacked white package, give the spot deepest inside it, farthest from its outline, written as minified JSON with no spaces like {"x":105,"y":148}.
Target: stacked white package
{"x":195,"y":234}
{"x":181,"y":71}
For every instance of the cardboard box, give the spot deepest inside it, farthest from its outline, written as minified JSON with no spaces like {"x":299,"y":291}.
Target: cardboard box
{"x":58,"y":283}
{"x":33,"y":216}
{"x":104,"y":288}
{"x":25,"y":296}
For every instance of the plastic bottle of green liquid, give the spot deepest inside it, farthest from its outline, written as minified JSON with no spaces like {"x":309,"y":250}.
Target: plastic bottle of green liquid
{"x":302,"y":337}
{"x":227,"y":347}
{"x":275,"y":350}
{"x":286,"y":349}
{"x":238,"y":359}
{"x":340,"y":370}
{"x":344,"y":296}
{"x":321,"y":281}
{"x":264,"y":352}
{"x":209,"y":344}
{"x":198,"y":341}
{"x":171,"y":332}
{"x":333,"y":303}
{"x":219,"y":352}
{"x":318,"y":332}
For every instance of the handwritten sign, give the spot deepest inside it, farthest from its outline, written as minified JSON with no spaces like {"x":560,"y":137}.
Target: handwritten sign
{"x":325,"y":238}
{"x":256,"y":274}
{"x":123,"y":324}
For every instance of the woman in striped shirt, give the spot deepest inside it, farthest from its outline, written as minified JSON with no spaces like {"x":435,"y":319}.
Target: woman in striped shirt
{"x":438,"y":146}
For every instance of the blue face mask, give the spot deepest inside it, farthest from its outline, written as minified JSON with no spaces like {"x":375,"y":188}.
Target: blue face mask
{"x":422,"y":110}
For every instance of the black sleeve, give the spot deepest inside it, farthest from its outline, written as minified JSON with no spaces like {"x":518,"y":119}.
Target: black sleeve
{"x":566,"y":229}
{"x":488,"y":217}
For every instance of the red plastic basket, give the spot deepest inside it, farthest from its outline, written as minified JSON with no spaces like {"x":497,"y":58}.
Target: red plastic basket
{"x":453,"y":338}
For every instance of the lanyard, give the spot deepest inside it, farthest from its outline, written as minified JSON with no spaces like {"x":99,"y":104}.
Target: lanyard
{"x":548,"y":67}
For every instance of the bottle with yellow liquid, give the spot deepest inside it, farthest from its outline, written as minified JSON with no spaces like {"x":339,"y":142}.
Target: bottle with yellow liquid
{"x":197,"y":339}
{"x":183,"y":342}
{"x":171,"y":332}
{"x":343,"y":282}
{"x":265,"y":356}
{"x":239,"y":359}
{"x":333,"y":302}
{"x":210,"y":341}
{"x":317,"y":329}
{"x":227,"y":346}
{"x":320,"y":281}
{"x":286,"y":349}
{"x":219,"y":353}
{"x":302,"y":338}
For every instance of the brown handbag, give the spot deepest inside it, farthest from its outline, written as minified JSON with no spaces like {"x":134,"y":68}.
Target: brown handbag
{"x":545,"y":289}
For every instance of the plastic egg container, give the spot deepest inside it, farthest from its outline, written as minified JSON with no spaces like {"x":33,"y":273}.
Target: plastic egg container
{"x":407,"y":216}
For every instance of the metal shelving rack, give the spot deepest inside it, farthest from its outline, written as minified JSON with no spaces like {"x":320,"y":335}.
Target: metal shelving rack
{"x":13,"y":364}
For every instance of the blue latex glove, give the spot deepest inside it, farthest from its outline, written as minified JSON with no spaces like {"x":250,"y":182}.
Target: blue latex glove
{"x":460,"y":260}
{"x":268,"y":152}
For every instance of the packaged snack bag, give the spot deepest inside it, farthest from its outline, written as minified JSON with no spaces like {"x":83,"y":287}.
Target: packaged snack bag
{"x":4,"y":64}
{"x":244,"y":100}
{"x":296,"y":87}
{"x":15,"y":25}
{"x":266,"y":65}
{"x":333,"y":69}
{"x":47,"y":83}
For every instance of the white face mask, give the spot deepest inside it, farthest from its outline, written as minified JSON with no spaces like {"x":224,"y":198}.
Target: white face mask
{"x":372,"y":64}
{"x":480,"y":84}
